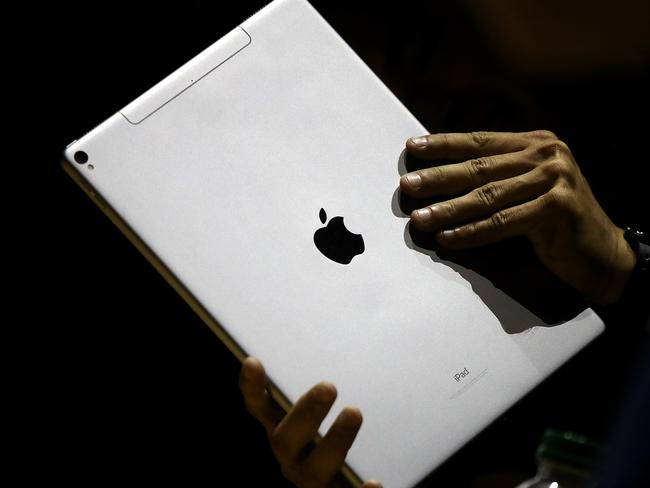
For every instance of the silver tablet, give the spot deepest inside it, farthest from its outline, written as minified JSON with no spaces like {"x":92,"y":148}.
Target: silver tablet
{"x":260,"y":179}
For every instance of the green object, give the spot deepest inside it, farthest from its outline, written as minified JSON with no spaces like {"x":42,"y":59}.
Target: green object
{"x":565,"y":460}
{"x":569,"y":448}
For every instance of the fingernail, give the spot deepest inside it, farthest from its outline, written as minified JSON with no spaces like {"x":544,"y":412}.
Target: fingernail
{"x":420,"y":141}
{"x":414,"y":180}
{"x":423,"y":216}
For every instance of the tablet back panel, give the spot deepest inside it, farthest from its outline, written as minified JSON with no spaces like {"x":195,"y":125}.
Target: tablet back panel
{"x":219,"y":174}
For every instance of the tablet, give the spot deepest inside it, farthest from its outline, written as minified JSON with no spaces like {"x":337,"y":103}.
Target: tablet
{"x":261,"y":180}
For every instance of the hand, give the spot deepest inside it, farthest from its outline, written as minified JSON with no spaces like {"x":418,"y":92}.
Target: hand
{"x":304,"y":462}
{"x":520,"y":184}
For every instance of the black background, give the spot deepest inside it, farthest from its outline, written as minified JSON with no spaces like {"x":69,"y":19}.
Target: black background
{"x":121,"y":381}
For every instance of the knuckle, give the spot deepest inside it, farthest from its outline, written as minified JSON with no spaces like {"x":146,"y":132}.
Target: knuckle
{"x":499,"y":220}
{"x":554,"y":169}
{"x":561,"y":148}
{"x":487,"y":195}
{"x":557,"y":200}
{"x":553,"y":148}
{"x":480,"y":138}
{"x":478,"y":168}
{"x":543,"y":135}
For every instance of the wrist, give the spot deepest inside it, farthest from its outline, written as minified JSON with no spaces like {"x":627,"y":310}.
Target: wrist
{"x":620,"y":269}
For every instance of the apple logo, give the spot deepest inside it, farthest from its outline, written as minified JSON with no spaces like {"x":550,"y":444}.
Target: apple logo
{"x":336,"y":242}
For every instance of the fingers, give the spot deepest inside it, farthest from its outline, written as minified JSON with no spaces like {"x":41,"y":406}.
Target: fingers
{"x":372,"y":484}
{"x":292,"y":435}
{"x":300,"y":425}
{"x":483,"y":201}
{"x":465,"y":146}
{"x":329,"y":454}
{"x":503,"y":224}
{"x":252,"y":383}
{"x":509,"y":182}
{"x":462,"y":177}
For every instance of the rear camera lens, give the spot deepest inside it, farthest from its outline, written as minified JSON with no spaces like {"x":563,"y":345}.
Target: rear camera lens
{"x":81,"y":157}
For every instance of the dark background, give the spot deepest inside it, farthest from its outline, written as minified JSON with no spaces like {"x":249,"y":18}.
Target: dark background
{"x":124,"y":383}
